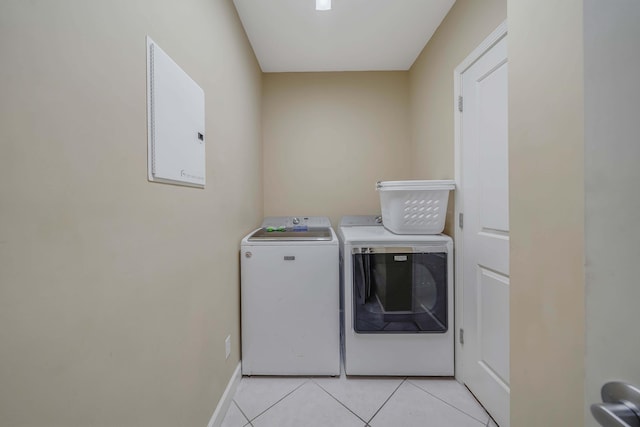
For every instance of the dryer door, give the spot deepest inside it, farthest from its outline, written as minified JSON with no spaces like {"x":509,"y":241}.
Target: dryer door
{"x":400,"y":290}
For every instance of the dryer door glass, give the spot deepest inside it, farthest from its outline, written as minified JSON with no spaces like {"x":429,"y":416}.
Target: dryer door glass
{"x":396,"y":290}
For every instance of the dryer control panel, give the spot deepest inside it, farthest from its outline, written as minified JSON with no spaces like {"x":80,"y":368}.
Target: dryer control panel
{"x":360,"y":220}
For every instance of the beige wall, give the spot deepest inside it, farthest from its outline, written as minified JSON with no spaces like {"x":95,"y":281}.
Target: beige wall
{"x":466,"y":25}
{"x":116,"y":294}
{"x":546,"y":156}
{"x":329,"y":137}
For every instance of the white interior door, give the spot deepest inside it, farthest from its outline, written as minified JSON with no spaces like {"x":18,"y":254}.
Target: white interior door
{"x":612,"y":199}
{"x":485,"y":233}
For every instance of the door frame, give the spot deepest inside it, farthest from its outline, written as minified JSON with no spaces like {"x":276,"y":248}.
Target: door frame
{"x":498,"y":34}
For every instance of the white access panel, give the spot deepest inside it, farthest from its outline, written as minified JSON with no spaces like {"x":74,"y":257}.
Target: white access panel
{"x":175,"y":119}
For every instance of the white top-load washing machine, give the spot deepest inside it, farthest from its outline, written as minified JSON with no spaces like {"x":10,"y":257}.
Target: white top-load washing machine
{"x":290,"y":298}
{"x":397,"y":297}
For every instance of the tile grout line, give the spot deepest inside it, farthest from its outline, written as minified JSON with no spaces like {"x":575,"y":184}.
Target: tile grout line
{"x":336,"y":399}
{"x":385,"y":402}
{"x":278,"y":401}
{"x":242,"y":412}
{"x":449,"y":404}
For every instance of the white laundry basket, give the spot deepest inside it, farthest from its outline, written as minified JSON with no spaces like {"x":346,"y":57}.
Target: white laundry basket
{"x":414,"y":207}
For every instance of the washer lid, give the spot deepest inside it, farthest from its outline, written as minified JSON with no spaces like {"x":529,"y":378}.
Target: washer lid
{"x":297,"y":222}
{"x":291,"y":234}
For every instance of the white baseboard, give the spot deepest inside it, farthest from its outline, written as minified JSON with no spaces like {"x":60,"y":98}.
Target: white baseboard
{"x":225,"y":400}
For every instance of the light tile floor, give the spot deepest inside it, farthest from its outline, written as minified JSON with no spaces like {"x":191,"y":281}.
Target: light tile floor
{"x":354,"y":401}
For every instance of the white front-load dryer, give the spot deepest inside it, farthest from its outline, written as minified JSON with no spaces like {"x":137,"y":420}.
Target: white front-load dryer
{"x":290,"y":298}
{"x":397,"y":296}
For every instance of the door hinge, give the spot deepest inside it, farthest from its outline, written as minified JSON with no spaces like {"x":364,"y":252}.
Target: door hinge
{"x":460,"y":104}
{"x":461,"y":336}
{"x":461,"y":220}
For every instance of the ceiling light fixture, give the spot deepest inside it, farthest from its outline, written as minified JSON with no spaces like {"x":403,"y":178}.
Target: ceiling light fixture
{"x":323,"y":4}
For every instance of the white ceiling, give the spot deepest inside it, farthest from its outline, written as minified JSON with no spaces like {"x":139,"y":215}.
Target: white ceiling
{"x":355,"y":35}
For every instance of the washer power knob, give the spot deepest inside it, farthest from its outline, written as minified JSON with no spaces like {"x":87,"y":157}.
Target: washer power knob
{"x":296,"y":221}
